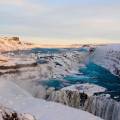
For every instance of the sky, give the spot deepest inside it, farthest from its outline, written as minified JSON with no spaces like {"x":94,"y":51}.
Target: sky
{"x":61,"y":21}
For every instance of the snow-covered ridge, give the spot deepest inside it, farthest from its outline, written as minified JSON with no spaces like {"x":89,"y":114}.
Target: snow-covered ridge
{"x":11,"y":65}
{"x":108,"y":56}
{"x":12,"y":43}
{"x":48,"y":67}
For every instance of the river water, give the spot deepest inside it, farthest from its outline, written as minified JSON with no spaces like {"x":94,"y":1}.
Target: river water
{"x":91,"y":73}
{"x":94,"y":74}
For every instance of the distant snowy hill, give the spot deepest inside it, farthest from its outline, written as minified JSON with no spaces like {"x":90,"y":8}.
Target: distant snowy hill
{"x":12,"y":43}
{"x":15,"y":43}
{"x":108,"y":56}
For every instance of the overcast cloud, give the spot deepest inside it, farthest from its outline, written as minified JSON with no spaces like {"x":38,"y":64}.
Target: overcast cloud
{"x":61,"y":19}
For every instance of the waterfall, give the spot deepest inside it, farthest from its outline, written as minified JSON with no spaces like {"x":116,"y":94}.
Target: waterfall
{"x":106,"y":108}
{"x":103,"y":107}
{"x":66,"y":97}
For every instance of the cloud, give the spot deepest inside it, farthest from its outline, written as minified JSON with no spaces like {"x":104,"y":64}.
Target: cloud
{"x":11,"y":2}
{"x":76,"y":20}
{"x":26,"y":6}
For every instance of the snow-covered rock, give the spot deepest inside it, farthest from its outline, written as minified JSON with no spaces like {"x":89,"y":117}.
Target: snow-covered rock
{"x":87,"y":88}
{"x":71,"y":95}
{"x":108,"y":56}
{"x":8,"y":114}
{"x":24,"y":68}
{"x":11,"y":43}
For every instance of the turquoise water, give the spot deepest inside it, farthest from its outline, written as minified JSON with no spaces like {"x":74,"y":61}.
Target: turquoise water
{"x":57,"y":84}
{"x":46,"y":50}
{"x":94,"y":74}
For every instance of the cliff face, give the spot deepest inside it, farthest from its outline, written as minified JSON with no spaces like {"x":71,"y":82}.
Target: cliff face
{"x":108,"y":57}
{"x":101,"y":106}
{"x":12,"y":43}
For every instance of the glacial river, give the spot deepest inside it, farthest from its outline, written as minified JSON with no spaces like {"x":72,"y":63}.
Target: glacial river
{"x":94,"y":74}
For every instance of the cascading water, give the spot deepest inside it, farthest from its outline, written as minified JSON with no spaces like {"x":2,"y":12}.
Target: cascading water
{"x":103,"y":107}
{"x":70,"y":98}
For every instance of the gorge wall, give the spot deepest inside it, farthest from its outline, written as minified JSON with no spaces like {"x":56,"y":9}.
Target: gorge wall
{"x":101,"y":106}
{"x":108,"y":56}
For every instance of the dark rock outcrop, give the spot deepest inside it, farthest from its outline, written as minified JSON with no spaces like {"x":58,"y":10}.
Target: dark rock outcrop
{"x":8,"y":114}
{"x":71,"y":98}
